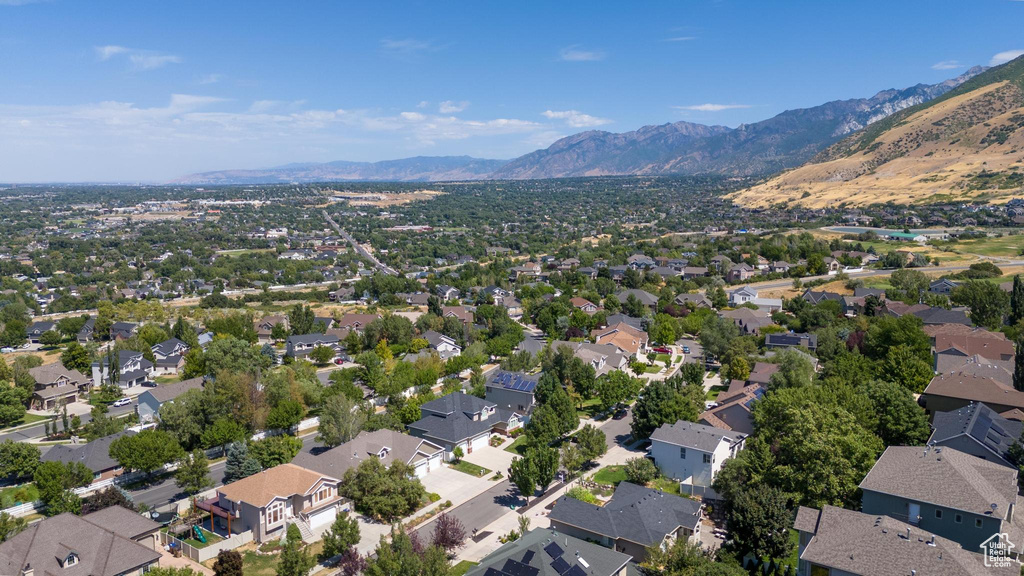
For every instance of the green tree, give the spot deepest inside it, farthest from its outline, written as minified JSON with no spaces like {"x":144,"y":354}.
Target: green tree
{"x":457,"y":454}
{"x":184,"y":418}
{"x":340,"y":537}
{"x":228,"y":563}
{"x":18,"y":460}
{"x":275,"y":450}
{"x":382,"y":493}
{"x":1018,"y":365}
{"x":901,"y":422}
{"x":1017,"y":301}
{"x":795,"y":370}
{"x":663,"y":329}
{"x":544,"y":462}
{"x":195,"y":364}
{"x":717,"y":334}
{"x":222,"y":432}
{"x":640,"y":470}
{"x":146,"y":451}
{"x":395,"y":558}
{"x":522,"y":474}
{"x":76,"y":357}
{"x":240,"y":464}
{"x":49,"y":338}
{"x":321,"y":355}
{"x":987,"y":302}
{"x":571,"y":459}
{"x":193,"y":473}
{"x":591,"y":442}
{"x":906,"y":368}
{"x":759,"y":522}
{"x":293,"y":559}
{"x":340,"y":421}
{"x":301,"y":319}
{"x":56,"y":480}
{"x":662,"y":404}
{"x":684,"y":558}
{"x":10,"y":526}
{"x":285,"y":414}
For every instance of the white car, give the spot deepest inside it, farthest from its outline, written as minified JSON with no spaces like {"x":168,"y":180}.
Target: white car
{"x":6,"y":350}
{"x":122,"y":402}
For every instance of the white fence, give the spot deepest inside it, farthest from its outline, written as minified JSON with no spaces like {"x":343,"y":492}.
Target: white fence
{"x":24,"y":509}
{"x":207,"y":552}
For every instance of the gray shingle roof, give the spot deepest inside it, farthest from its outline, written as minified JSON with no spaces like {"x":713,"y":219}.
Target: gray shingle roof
{"x":100,"y":552}
{"x":171,"y":391}
{"x":979,"y":423}
{"x":692,"y":435}
{"x":449,"y":418}
{"x":122,"y":521}
{"x":944,"y":477}
{"x":95,"y":455}
{"x":532,"y":550}
{"x":634,"y":513}
{"x":859,"y":543}
{"x":401,"y":448}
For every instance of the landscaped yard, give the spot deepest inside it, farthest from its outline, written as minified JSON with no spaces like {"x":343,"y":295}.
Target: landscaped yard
{"x":461,"y":568}
{"x":715,"y":391}
{"x":653,"y":369}
{"x":14,"y":495}
{"x":663,"y":358}
{"x":666,"y":485}
{"x":255,"y":565}
{"x":211,"y":538}
{"x":794,"y":558}
{"x":518,"y":446}
{"x":470,"y":468}
{"x":29,"y":419}
{"x":589,"y":408}
{"x":611,"y":475}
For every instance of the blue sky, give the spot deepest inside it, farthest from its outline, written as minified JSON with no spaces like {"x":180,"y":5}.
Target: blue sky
{"x":148,"y":91}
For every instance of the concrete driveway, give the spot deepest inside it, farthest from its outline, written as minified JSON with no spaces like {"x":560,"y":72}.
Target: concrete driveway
{"x":454,"y":485}
{"x":494,"y":459}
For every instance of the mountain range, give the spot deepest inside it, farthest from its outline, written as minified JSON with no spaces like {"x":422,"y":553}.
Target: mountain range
{"x":782,"y":142}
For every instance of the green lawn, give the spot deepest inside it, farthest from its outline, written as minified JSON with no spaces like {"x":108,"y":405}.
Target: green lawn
{"x":653,"y":369}
{"x":211,"y":538}
{"x":611,"y":475}
{"x":461,"y":568}
{"x":589,"y":408}
{"x":29,"y":419}
{"x":794,"y":557}
{"x":471,"y":469}
{"x":1005,"y":246}
{"x":14,"y":495}
{"x":663,"y":358}
{"x":666,"y":485}
{"x":254,"y":564}
{"x":518,"y":446}
{"x":715,"y":391}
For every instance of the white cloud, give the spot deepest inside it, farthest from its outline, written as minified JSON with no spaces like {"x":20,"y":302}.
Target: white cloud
{"x":947,"y":65}
{"x":423,"y":104}
{"x":680,"y":39}
{"x":210,"y":78}
{"x":451,"y":107}
{"x":405,"y":47}
{"x":1004,"y":57}
{"x":576,"y":54}
{"x":712,"y":107}
{"x":575,"y":118}
{"x":140,"y":59}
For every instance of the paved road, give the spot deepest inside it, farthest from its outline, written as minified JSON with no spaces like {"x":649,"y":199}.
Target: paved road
{"x":167,"y":491}
{"x":481,"y":510}
{"x":39,"y":430}
{"x":359,"y":247}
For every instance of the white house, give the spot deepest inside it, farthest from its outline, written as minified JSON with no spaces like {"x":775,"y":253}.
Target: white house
{"x":748,"y":295}
{"x":693,"y":454}
{"x":445,"y":346}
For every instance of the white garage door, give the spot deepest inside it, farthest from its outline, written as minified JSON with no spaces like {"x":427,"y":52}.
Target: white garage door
{"x":323,"y":517}
{"x":479,"y":442}
{"x":422,"y":467}
{"x":435,"y":461}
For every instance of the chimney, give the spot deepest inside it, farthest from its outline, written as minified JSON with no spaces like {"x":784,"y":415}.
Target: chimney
{"x":27,"y":570}
{"x":908,"y":533}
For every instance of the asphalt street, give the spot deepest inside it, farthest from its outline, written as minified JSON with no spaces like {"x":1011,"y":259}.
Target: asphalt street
{"x":37,"y":431}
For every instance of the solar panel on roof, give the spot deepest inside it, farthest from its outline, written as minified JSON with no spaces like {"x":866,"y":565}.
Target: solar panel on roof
{"x":494,"y":572}
{"x":528,"y":556}
{"x":575,"y":571}
{"x":559,"y":565}
{"x":514,"y":568}
{"x":554,"y":550}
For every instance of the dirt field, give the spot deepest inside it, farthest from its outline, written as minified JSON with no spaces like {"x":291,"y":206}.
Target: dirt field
{"x":384,"y":199}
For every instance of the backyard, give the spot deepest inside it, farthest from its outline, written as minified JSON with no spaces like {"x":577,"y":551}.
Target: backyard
{"x":14,"y":495}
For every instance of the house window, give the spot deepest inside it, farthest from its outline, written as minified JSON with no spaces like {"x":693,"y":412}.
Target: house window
{"x":321,"y":495}
{"x":71,"y":560}
{"x":938,"y":514}
{"x":958,"y":518}
{"x":275,"y":513}
{"x":707,"y":458}
{"x":977,"y":522}
{"x":682,"y":453}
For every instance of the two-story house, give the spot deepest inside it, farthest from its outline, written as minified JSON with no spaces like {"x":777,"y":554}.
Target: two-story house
{"x":460,"y":420}
{"x":301,"y":345}
{"x":150,"y":401}
{"x":55,"y":385}
{"x":446,"y":293}
{"x":630,"y":341}
{"x":548,"y":552}
{"x":512,"y":390}
{"x":86,"y":332}
{"x":978,"y":430}
{"x":267,"y":502}
{"x":170,"y":356}
{"x":123,"y":330}
{"x":132,"y":370}
{"x":445,"y":346}
{"x":37,"y":329}
{"x":693,"y":454}
{"x":944,"y":491}
{"x":265,"y":327}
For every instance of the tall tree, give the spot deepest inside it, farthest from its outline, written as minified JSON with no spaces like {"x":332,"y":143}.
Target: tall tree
{"x":146,"y":451}
{"x":340,"y":421}
{"x":240,"y":463}
{"x":759,"y":521}
{"x":228,"y":563}
{"x":591,"y":442}
{"x":341,"y":537}
{"x":661,"y":404}
{"x":193,"y":473}
{"x":1018,"y":365}
{"x":293,"y":559}
{"x":522,"y":474}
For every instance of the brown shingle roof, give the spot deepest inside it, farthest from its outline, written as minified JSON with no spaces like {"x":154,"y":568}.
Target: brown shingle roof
{"x":277,"y":482}
{"x":975,"y":388}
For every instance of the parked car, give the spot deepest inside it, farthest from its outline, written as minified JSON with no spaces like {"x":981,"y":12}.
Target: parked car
{"x":122,"y":402}
{"x":663,"y":350}
{"x":686,"y":349}
{"x":149,"y":384}
{"x":6,"y":350}
{"x":620,"y":413}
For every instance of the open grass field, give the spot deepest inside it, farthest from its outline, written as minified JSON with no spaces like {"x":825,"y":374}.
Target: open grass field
{"x":1005,"y":246}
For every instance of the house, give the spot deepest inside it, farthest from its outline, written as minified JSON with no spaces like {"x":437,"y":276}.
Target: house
{"x":952,"y":350}
{"x":927,"y":314}
{"x":650,"y":301}
{"x":741,"y":273}
{"x":838,"y":542}
{"x":268,"y":501}
{"x":55,"y":385}
{"x":123,"y":330}
{"x":461,"y":312}
{"x":629,"y":340}
{"x":132,"y":370}
{"x":634,"y":519}
{"x":95,"y":455}
{"x":947,"y":392}
{"x":779,"y":267}
{"x":791,"y":340}
{"x":446,"y":293}
{"x":87,"y":332}
{"x":265,"y":327}
{"x":512,"y":391}
{"x":301,"y":345}
{"x":749,"y":321}
{"x":944,"y":491}
{"x":691,"y":272}
{"x":637,"y":323}
{"x":734,"y":410}
{"x":584,"y":305}
{"x":812,"y":297}
{"x":512,"y":306}
{"x":604,"y":358}
{"x":978,"y":430}
{"x":445,"y":346}
{"x":37,"y":329}
{"x":748,"y":295}
{"x":694,"y":300}
{"x":943,"y":286}
{"x":355,"y":322}
{"x":693,"y":454}
{"x":150,"y":401}
{"x":343,"y":294}
{"x":386,"y":445}
{"x":640,"y":261}
{"x":460,"y":420}
{"x":95,"y":545}
{"x":326,"y":321}
{"x":170,"y":356}
{"x":546,"y":552}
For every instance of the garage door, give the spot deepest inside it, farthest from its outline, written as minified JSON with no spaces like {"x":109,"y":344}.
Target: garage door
{"x":435,"y":461}
{"x":422,"y":467}
{"x":479,"y":442}
{"x":323,"y":517}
